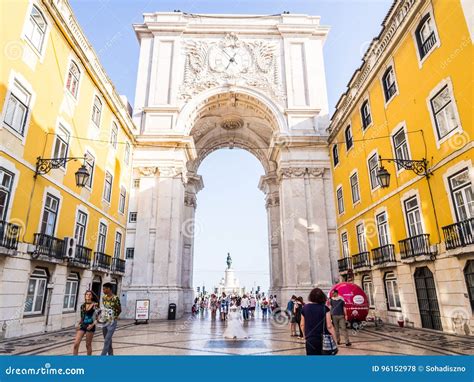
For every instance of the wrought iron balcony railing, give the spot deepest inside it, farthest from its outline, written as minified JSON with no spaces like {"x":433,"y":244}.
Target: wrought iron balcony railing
{"x":118,"y":265}
{"x":383,"y":255}
{"x":414,"y":246}
{"x":9,"y":235}
{"x":361,"y":260}
{"x":344,"y":264}
{"x":49,"y":246}
{"x":82,"y":255}
{"x":101,"y":261}
{"x":428,"y":44}
{"x":459,"y":234}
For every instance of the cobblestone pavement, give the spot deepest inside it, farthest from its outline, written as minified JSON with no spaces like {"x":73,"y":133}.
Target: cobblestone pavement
{"x":201,"y":336}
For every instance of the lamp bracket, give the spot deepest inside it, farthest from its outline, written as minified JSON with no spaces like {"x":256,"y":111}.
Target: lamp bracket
{"x":45,"y":165}
{"x":419,"y":167}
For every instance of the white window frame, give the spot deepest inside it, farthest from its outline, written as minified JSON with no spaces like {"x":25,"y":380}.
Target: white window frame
{"x":102,"y":246}
{"x":401,"y":126}
{"x":104,"y":193}
{"x":340,"y":200}
{"x":14,"y":94}
{"x":356,"y":174}
{"x":389,"y":64}
{"x":361,"y":242}
{"x":122,"y":200}
{"x":127,"y":153}
{"x":406,"y":214}
{"x":461,"y":189}
{"x":335,"y":148}
{"x":437,"y":44}
{"x":90,"y":157}
{"x":388,"y":236}
{"x":136,"y":182}
{"x":79,"y":225}
{"x":39,"y":274}
{"x":97,"y":123}
{"x":39,"y":53}
{"x":351,"y":138}
{"x":45,"y":208}
{"x":452,"y":171}
{"x":366,"y":100}
{"x":72,"y":280}
{"x":368,"y":288}
{"x":114,"y":131}
{"x":128,"y":251}
{"x":371,"y":155}
{"x":118,"y":244}
{"x":8,"y":191}
{"x":62,"y":130}
{"x":73,"y":62}
{"x":345,"y":249}
{"x":132,"y":214}
{"x":390,"y":278}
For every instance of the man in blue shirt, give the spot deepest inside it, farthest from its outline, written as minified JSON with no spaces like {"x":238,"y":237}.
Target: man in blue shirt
{"x":291,"y":314}
{"x":339,"y":317}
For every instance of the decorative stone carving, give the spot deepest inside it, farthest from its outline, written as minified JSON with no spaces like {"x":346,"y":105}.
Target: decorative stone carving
{"x":231,"y":61}
{"x":316,"y":172}
{"x":232,"y":123}
{"x":272,"y":201}
{"x":190,"y":200}
{"x":147,"y":171}
{"x":299,"y":172}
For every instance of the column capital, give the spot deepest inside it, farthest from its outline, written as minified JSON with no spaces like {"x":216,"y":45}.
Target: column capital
{"x":272,"y":200}
{"x":190,"y":200}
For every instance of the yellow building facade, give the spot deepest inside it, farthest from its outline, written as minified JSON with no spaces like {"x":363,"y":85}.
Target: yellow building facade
{"x":57,"y":239}
{"x":410,"y":244}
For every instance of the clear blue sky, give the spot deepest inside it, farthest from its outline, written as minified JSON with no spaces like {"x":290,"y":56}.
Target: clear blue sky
{"x":231,"y":214}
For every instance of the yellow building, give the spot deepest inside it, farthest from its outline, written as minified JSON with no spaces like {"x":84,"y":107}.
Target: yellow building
{"x":410,"y":244}
{"x":57,"y":239}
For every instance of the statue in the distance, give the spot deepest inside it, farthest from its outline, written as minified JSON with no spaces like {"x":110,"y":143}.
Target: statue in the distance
{"x":229,"y":260}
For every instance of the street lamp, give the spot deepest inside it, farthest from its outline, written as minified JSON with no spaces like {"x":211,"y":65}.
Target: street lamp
{"x":419,"y":167}
{"x":45,"y":165}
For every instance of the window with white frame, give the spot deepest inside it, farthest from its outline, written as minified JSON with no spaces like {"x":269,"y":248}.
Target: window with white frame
{"x":90,"y":164}
{"x":413,"y":216}
{"x":354,"y":179}
{"x":122,"y":199}
{"x":335,"y":155}
{"x":401,"y":146}
{"x":389,"y":85}
{"x":70,"y":294}
{"x":108,"y":186}
{"x":345,"y":244}
{"x":382,"y":229}
{"x":114,"y":135}
{"x":462,"y":195}
{"x":365,"y":114}
{"x":126,"y":156}
{"x":391,"y":290}
{"x":6,"y":184}
{"x":61,"y":144}
{"x":72,"y":80}
{"x":132,"y":217}
{"x":16,"y":113}
{"x":368,"y":288}
{"x":425,"y":35}
{"x":373,"y":168}
{"x":50,"y":215}
{"x":36,"y":292}
{"x":102,"y":238}
{"x":80,"y":230}
{"x":136,"y":183}
{"x":361,"y":239}
{"x":130,"y":253}
{"x":444,"y":114}
{"x":340,"y":200}
{"x":348,"y":136}
{"x":96,"y":111}
{"x":117,"y":245}
{"x":36,"y":28}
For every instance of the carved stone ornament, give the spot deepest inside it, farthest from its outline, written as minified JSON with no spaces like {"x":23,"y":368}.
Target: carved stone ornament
{"x":316,"y":172}
{"x":232,"y":123}
{"x":272,"y":201}
{"x":299,"y":172}
{"x":147,"y":171}
{"x":231,"y":61}
{"x":190,"y":201}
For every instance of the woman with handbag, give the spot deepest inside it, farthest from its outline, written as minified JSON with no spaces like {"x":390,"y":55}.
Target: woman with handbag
{"x":317,"y":326}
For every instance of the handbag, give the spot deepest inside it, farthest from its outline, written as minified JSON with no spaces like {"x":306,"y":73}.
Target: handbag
{"x":329,"y":345}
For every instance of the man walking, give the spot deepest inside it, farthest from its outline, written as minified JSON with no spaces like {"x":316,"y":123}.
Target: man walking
{"x":112,"y":309}
{"x":244,"y":305}
{"x":339,"y":316}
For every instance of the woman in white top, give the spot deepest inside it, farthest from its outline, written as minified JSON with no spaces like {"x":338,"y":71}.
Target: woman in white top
{"x":245,"y":304}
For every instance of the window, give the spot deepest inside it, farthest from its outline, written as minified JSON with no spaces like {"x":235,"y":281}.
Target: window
{"x":96,"y":111}
{"x":469,"y":276}
{"x":80,"y":230}
{"x":89,"y":163}
{"x":136,"y":183}
{"x":389,"y":85}
{"x":17,"y":108}
{"x":118,"y":245}
{"x":126,"y":156}
{"x":444,"y":114}
{"x":335,"y":155}
{"x":102,"y":239}
{"x":373,"y":168}
{"x":391,"y":291}
{"x":425,"y":36}
{"x":401,"y":146}
{"x":365,"y":113}
{"x":6,"y":184}
{"x":50,"y":215}
{"x":108,"y":186}
{"x":345,"y":244}
{"x":382,"y":229}
{"x":361,"y":240}
{"x":368,"y":288}
{"x":348,"y":136}
{"x":130,"y":253}
{"x":462,"y":195}
{"x":70,"y":295}
{"x":61,"y":145}
{"x":72,"y":81}
{"x":340,"y":200}
{"x":36,"y":29}
{"x":114,"y":135}
{"x":36,"y":292}
{"x":132,"y":217}
{"x":122,"y":199}
{"x":355,"y":188}
{"x":413,"y":217}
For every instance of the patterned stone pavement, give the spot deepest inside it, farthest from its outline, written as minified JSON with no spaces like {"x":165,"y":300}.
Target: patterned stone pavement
{"x":201,"y":336}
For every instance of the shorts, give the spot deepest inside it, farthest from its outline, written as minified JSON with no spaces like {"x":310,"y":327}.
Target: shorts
{"x":83,"y":328}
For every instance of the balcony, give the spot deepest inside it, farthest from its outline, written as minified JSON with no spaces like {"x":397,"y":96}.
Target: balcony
{"x":459,"y":235}
{"x":416,"y":248}
{"x":118,"y":266}
{"x":344,"y":264}
{"x":82,"y":257}
{"x":9,"y":235}
{"x":101,"y":262}
{"x":384,"y":256}
{"x":48,"y":248}
{"x":361,"y":262}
